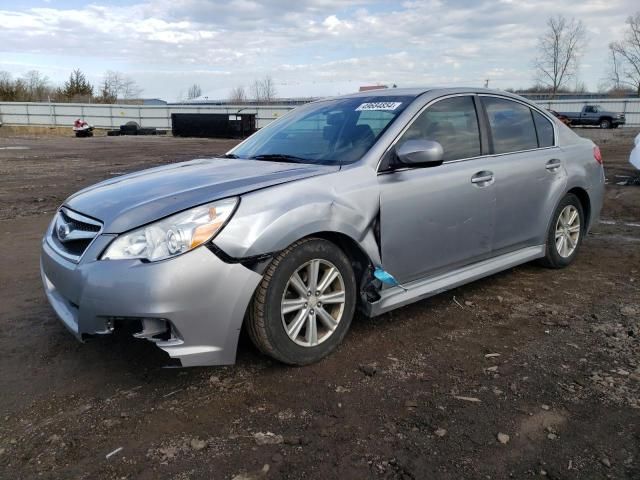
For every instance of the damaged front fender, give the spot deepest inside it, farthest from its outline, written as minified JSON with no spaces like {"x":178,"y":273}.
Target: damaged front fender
{"x":345,"y":202}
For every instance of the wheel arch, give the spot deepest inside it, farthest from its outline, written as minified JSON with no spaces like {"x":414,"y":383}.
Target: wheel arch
{"x":359,"y":259}
{"x":585,"y":202}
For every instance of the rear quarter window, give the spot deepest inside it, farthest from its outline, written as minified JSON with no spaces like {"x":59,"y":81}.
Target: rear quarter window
{"x":544,"y":129}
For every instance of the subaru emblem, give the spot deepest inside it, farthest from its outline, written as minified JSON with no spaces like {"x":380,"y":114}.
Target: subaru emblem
{"x":63,"y":231}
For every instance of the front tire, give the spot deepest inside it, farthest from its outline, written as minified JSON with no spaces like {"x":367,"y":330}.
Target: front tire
{"x":565,"y":233}
{"x":304,"y":305}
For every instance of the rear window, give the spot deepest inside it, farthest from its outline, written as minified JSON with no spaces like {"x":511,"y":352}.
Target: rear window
{"x":511,"y":125}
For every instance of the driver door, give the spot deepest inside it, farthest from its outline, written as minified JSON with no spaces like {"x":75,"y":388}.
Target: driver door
{"x":439,"y":218}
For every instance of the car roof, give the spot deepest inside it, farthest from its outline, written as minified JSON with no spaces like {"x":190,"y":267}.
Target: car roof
{"x":417,"y":91}
{"x":435,"y":92}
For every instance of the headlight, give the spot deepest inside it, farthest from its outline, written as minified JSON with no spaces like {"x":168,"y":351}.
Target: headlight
{"x":173,"y":235}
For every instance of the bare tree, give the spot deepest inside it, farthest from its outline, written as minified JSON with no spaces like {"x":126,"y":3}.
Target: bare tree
{"x":111,"y":86}
{"x":130,"y":89}
{"x":238,"y":95}
{"x":8,"y":88}
{"x":33,"y":86}
{"x":268,"y":89}
{"x":263,"y":91}
{"x":256,"y":91}
{"x":117,"y":86}
{"x":194,"y":91}
{"x":107,"y":92}
{"x":37,"y":86}
{"x":560,"y":48}
{"x":6,"y":81}
{"x":625,"y":68}
{"x":613,"y":79}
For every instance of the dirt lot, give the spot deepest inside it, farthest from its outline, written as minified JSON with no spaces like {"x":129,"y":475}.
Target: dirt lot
{"x":549,"y":358}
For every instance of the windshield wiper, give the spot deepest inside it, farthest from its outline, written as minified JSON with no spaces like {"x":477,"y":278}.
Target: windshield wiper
{"x":280,"y":157}
{"x":229,"y":155}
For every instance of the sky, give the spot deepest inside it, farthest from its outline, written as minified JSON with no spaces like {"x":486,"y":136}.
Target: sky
{"x":308,"y":47}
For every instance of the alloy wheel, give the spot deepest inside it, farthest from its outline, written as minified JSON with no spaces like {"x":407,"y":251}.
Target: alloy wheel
{"x":567,"y":231}
{"x":313,"y":303}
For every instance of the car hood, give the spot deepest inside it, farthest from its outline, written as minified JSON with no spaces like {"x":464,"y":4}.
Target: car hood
{"x":132,"y":200}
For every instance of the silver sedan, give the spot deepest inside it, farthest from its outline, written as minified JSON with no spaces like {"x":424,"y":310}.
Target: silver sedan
{"x":368,"y":201}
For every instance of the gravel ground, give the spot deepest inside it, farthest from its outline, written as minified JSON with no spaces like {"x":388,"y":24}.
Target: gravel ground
{"x":531,"y":373}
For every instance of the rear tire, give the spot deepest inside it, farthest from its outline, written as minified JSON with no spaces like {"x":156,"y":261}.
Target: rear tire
{"x":605,"y":124}
{"x":293,"y":324}
{"x":565,"y":234}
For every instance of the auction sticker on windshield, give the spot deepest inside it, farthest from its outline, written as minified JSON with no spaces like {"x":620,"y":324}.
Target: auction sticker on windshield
{"x":378,"y":106}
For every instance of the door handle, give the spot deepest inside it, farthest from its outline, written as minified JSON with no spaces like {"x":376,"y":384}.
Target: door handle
{"x":482,"y":179}
{"x":553,"y":165}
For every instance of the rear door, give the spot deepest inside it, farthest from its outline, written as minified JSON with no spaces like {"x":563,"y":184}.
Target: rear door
{"x":530,"y":173}
{"x":438,"y":218}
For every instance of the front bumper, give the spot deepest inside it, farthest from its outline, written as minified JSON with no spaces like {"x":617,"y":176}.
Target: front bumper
{"x":200,"y":297}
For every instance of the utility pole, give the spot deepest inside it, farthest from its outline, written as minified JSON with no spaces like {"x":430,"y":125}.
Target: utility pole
{"x":486,"y":83}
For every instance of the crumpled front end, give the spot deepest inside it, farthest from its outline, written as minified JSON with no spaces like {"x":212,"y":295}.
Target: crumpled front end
{"x":191,"y":306}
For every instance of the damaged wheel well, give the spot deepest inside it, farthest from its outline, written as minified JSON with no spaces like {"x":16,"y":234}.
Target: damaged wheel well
{"x":583,"y":196}
{"x":360,"y":261}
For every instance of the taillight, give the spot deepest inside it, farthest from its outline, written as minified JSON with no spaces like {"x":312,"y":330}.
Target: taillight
{"x":597,"y":155}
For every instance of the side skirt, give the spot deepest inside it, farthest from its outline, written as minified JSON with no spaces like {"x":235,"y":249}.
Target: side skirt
{"x":397,"y":297}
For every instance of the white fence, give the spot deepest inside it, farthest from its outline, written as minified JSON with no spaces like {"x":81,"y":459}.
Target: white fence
{"x":159,"y":116}
{"x":112,"y":116}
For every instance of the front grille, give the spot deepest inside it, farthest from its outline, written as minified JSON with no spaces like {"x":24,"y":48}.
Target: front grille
{"x":72,"y":233}
{"x":77,"y":224}
{"x":74,"y":248}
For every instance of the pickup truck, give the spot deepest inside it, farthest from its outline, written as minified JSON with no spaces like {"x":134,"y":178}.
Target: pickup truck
{"x":595,"y":115}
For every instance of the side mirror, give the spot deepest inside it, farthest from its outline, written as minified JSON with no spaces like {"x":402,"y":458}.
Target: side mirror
{"x":420,"y":153}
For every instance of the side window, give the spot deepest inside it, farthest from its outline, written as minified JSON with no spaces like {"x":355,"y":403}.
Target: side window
{"x":544,"y":130}
{"x":453,"y":123}
{"x":511,"y":125}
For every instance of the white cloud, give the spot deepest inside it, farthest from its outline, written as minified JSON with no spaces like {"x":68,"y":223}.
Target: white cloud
{"x":168,"y":44}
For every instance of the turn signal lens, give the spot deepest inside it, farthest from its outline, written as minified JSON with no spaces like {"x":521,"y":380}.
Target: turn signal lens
{"x":204,"y":232}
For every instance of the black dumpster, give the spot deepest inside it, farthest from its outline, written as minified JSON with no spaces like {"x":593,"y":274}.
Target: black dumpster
{"x":214,"y":125}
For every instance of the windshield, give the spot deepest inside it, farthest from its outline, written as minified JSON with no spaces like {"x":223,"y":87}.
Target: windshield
{"x":331,"y":132}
